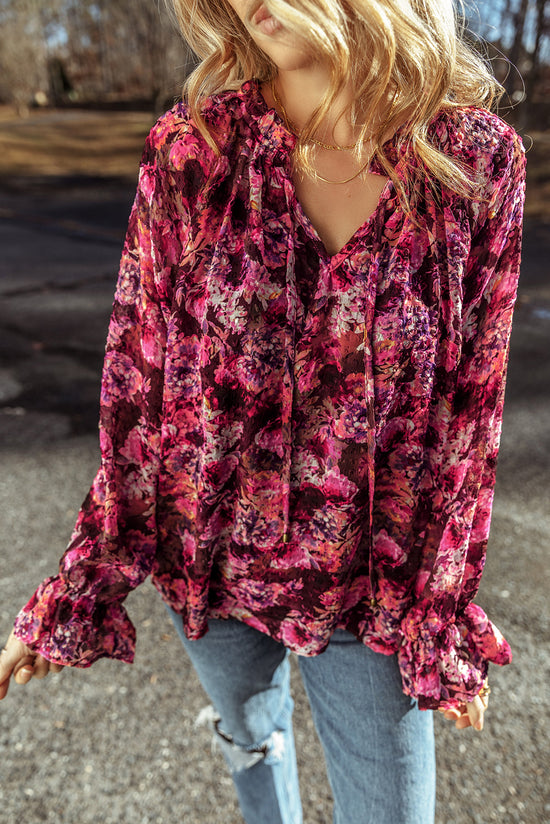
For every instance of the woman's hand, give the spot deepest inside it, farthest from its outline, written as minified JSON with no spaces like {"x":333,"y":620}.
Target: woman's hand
{"x":18,"y":660}
{"x":470,"y":714}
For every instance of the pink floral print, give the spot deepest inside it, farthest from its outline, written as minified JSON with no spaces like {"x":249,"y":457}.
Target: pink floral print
{"x":297,"y":440}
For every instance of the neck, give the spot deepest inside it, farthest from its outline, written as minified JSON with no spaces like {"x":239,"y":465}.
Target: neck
{"x":301,"y":92}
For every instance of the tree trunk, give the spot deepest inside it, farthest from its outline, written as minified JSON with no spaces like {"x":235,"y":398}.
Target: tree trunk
{"x":533,"y":76}
{"x":517,"y":46}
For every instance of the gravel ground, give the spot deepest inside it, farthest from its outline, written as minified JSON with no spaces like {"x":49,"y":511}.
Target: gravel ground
{"x":117,"y":744}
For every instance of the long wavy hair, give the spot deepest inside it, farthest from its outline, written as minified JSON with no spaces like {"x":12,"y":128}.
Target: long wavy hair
{"x":407,"y":60}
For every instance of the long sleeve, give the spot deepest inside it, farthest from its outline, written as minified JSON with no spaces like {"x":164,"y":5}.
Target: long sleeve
{"x":265,"y":404}
{"x":77,"y":616}
{"x":447,"y":641}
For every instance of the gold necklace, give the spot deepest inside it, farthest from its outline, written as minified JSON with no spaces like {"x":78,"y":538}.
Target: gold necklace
{"x":347,"y":180}
{"x":291,"y":128}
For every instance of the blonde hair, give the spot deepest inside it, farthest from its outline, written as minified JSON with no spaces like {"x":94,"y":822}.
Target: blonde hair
{"x":407,"y":59}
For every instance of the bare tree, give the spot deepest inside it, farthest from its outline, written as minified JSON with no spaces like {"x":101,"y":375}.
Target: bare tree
{"x":522,"y":33}
{"x":22,"y":52}
{"x":542,"y":30}
{"x":101,"y":48}
{"x":128,"y":49}
{"x":517,"y":48}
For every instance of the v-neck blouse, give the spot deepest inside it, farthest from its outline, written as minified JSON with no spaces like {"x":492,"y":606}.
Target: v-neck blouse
{"x":296,"y":440}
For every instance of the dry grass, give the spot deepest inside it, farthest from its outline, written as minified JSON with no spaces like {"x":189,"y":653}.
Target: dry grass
{"x":99,"y":143}
{"x":107,"y":144}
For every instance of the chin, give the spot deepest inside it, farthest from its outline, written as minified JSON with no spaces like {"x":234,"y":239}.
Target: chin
{"x":286,"y":56}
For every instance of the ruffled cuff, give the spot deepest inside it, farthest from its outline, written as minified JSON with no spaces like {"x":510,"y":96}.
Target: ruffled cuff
{"x":444,"y":664}
{"x":73,"y":629}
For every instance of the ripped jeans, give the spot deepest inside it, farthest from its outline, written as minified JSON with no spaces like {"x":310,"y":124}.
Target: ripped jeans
{"x":378,"y":746}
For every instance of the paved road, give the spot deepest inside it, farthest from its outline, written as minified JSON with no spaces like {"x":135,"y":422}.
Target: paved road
{"x":117,"y":744}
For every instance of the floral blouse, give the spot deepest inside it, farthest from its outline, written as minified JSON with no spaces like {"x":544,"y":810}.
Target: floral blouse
{"x":297,"y":440}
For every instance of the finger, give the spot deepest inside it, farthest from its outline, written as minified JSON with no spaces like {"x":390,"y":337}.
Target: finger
{"x":55,"y":668}
{"x":452,"y":713}
{"x":4,"y":686}
{"x":3,"y":663}
{"x":41,"y":667}
{"x":12,"y":657}
{"x":463,"y":722}
{"x":476,"y":711}
{"x":6,"y":667}
{"x":15,"y":659}
{"x":24,"y":670}
{"x":7,"y":660}
{"x":485,"y":700}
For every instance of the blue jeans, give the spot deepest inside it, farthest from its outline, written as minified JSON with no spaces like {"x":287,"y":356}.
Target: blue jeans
{"x":379,"y":747}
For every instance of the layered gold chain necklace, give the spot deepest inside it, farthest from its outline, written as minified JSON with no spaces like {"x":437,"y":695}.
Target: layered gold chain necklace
{"x":291,"y":128}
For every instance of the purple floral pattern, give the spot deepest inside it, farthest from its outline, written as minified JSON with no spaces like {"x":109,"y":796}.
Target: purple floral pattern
{"x":296,"y":440}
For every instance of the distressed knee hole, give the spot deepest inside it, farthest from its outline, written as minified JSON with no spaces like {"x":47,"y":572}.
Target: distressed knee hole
{"x":238,"y":756}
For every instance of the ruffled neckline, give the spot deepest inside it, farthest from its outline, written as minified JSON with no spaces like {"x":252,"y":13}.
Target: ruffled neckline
{"x":264,"y":120}
{"x":273,"y":133}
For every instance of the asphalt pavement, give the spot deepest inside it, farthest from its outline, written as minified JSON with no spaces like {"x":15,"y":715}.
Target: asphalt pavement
{"x":117,"y":744}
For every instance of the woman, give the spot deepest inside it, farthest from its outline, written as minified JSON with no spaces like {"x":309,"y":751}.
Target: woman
{"x":302,"y":396}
